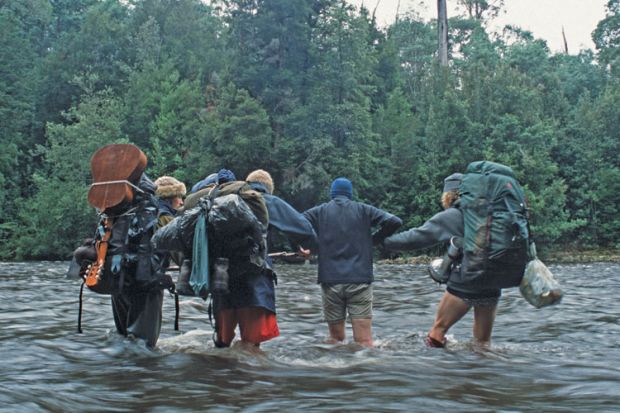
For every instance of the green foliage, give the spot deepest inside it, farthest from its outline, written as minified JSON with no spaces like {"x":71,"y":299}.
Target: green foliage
{"x":416,"y":58}
{"x":163,"y":116}
{"x":481,"y":9}
{"x":95,"y":41}
{"x":188,"y":33}
{"x":308,"y":90}
{"x":578,"y":75}
{"x":20,"y":36}
{"x":607,"y":36}
{"x":57,"y":216}
{"x":235,"y":134}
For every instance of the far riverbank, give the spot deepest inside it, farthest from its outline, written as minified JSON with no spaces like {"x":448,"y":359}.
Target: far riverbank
{"x":565,"y":256}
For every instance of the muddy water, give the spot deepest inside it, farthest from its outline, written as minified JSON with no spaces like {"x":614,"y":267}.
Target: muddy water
{"x":565,"y":358}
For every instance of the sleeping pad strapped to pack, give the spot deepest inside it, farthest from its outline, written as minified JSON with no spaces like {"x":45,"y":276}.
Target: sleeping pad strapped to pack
{"x":496,"y":238}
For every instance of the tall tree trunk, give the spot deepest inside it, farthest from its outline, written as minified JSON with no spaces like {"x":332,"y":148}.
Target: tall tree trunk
{"x":565,"y":42}
{"x":442,"y":32}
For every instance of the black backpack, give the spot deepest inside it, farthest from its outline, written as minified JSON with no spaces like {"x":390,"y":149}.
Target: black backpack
{"x":120,"y":258}
{"x":125,"y":258}
{"x":237,"y":226}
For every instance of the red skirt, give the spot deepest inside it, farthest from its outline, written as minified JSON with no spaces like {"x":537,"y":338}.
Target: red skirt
{"x":256,"y":324}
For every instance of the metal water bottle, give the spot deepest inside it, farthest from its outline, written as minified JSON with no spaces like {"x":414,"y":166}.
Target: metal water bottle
{"x":440,"y":268}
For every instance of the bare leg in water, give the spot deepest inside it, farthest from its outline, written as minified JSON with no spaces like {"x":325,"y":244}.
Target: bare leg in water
{"x":362,"y":331}
{"x":451,"y":309}
{"x":484,"y":317}
{"x":336,"y":332}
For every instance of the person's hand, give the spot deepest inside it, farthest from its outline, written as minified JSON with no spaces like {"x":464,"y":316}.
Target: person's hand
{"x":303,"y":252}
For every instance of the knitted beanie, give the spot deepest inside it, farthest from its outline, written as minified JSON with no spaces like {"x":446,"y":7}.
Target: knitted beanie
{"x":169,"y":187}
{"x":341,"y":186}
{"x":262,"y":177}
{"x":225,"y":175}
{"x":452,"y":182}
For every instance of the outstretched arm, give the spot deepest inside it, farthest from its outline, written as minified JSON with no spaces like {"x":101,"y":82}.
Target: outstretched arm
{"x":389,"y":226}
{"x":440,"y":228}
{"x":293,"y":224}
{"x":388,"y":223}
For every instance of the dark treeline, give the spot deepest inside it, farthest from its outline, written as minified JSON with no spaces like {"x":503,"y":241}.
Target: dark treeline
{"x":308,"y":90}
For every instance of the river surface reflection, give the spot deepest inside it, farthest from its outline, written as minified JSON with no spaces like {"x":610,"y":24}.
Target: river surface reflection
{"x":564,"y":358}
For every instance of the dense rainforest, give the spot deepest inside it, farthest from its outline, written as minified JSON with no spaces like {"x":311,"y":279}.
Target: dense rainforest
{"x":309,"y":90}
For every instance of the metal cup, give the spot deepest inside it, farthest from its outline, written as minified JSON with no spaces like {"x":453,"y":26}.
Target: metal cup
{"x":440,"y":268}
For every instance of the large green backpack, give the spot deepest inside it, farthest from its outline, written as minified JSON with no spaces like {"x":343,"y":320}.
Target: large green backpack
{"x":496,"y":236}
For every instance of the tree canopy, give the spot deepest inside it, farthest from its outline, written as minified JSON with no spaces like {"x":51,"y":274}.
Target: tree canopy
{"x":309,"y":90}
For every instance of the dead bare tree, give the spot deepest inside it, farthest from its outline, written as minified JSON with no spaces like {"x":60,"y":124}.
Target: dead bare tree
{"x":397,"y":11}
{"x":442,"y":32}
{"x":565,"y":42}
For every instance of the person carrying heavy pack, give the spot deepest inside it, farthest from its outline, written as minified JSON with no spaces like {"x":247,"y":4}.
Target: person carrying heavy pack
{"x":225,"y":236}
{"x":249,"y":301}
{"x":234,"y":216}
{"x":120,"y":260}
{"x":485,"y":213}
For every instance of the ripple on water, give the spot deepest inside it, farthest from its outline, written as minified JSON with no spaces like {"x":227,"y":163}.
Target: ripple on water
{"x":555,"y":359}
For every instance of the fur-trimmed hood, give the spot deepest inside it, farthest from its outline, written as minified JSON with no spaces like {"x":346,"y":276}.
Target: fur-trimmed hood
{"x":169,"y":187}
{"x":262,"y":177}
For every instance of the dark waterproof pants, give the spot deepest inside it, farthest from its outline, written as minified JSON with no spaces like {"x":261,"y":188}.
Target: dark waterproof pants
{"x":139,"y":315}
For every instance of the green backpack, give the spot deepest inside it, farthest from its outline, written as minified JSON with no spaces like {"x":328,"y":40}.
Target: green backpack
{"x":496,"y":230}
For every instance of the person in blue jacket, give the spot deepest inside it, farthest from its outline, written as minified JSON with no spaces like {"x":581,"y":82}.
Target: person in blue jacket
{"x":461,"y":294}
{"x":282,"y":216}
{"x":251,"y":303}
{"x":210,"y":180}
{"x":345,"y":247}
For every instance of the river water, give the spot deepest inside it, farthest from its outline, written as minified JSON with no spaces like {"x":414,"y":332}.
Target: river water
{"x":557,"y":359}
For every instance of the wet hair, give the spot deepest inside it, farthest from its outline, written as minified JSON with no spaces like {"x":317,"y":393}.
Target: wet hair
{"x":449,"y":198}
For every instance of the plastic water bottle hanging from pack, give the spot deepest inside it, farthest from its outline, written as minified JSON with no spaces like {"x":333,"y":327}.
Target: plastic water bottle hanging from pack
{"x":220,"y":276}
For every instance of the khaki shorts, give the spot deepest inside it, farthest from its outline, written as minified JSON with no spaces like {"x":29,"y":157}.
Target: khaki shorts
{"x":338,"y":298}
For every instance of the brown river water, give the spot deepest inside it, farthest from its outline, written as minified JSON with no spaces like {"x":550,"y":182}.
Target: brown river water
{"x":558,"y":359}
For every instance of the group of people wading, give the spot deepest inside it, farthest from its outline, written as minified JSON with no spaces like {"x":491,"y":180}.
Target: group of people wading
{"x":342,"y":232}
